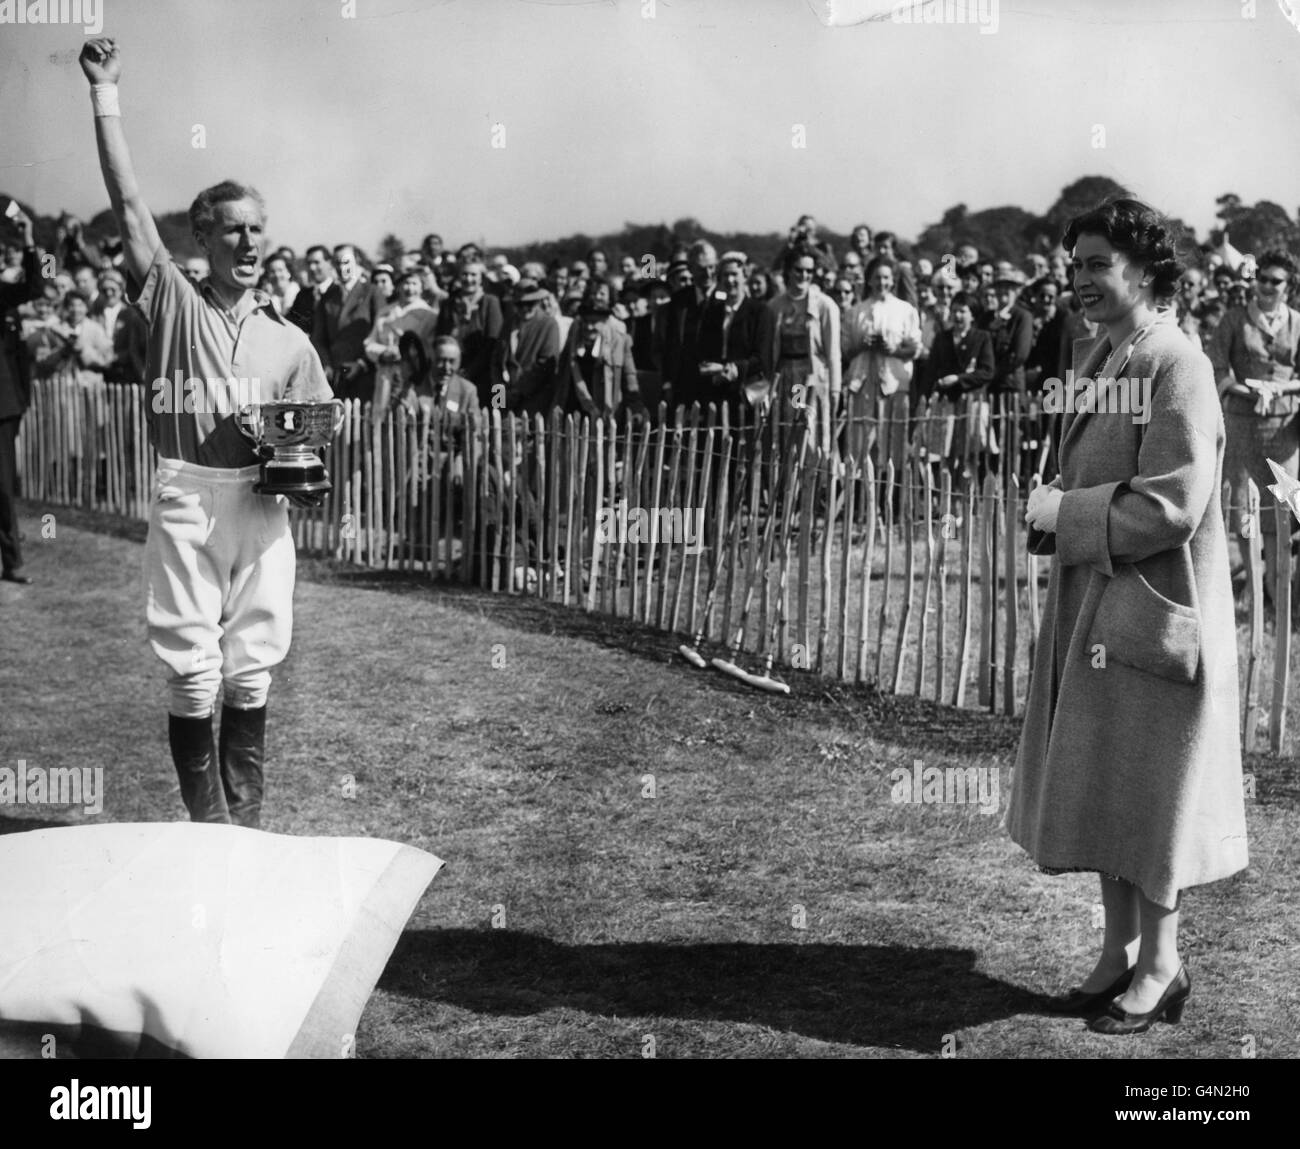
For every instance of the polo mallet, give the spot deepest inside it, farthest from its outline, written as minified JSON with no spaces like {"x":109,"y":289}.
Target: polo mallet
{"x":691,"y":652}
{"x":727,"y":665}
{"x":764,"y":679}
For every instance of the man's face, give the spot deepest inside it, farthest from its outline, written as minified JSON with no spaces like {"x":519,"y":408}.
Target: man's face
{"x":433,"y":247}
{"x":319,"y":267}
{"x":925,"y":293}
{"x":627,"y":266}
{"x":84,"y":280}
{"x":471,"y":279}
{"x":853,"y":267}
{"x":599,"y":264}
{"x":1046,"y":299}
{"x":704,"y":268}
{"x":862,"y":238}
{"x":943,"y":291}
{"x":885,"y":248}
{"x":345,"y":259}
{"x":13,"y":255}
{"x":678,"y":278}
{"x":1222,"y":283}
{"x":561,"y":280}
{"x":962,"y":317}
{"x":986,"y":274}
{"x":74,"y":310}
{"x":732,"y":281}
{"x":233,"y":244}
{"x":43,"y":305}
{"x":1006,"y":296}
{"x":970,"y":281}
{"x":590,"y":328}
{"x":111,"y":292}
{"x":446,"y":363}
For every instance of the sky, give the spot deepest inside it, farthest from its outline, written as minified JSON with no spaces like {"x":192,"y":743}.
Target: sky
{"x":506,"y":121}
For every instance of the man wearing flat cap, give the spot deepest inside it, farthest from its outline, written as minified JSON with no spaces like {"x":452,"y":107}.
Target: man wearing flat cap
{"x":528,"y":352}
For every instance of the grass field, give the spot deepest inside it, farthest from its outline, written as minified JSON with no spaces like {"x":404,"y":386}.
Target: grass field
{"x":769,"y":899}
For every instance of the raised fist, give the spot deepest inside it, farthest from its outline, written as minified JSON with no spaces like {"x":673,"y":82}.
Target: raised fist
{"x":101,"y":61}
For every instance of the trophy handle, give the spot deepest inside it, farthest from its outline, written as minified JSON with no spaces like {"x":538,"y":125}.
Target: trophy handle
{"x":339,"y":414}
{"x":247,"y":419}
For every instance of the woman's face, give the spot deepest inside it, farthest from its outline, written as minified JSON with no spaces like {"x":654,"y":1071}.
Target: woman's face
{"x":962,"y":317}
{"x":74,"y":310}
{"x":882,"y":281}
{"x":845,"y":296}
{"x":1107,"y":283}
{"x":758,"y":285}
{"x":384,"y":282}
{"x":1271,"y":287}
{"x":989,"y":297}
{"x":410,"y":288}
{"x":801,"y":277}
{"x":471,"y":279}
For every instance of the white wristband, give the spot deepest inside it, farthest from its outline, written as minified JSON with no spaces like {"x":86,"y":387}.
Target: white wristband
{"x":104,"y":99}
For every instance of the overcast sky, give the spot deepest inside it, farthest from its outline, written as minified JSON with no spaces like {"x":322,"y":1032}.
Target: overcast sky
{"x":651,"y":110}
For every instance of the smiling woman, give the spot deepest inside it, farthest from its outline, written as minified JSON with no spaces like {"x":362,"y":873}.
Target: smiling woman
{"x":1130,"y":759}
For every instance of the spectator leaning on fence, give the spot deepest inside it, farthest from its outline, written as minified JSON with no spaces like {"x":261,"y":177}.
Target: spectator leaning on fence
{"x":1255,"y":352}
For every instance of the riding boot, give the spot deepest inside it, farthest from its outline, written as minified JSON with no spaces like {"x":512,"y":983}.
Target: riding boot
{"x":195,"y":757}
{"x":243,"y":751}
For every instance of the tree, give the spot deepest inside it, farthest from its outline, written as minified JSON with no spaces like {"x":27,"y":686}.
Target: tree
{"x":1255,"y":230}
{"x":1081,"y":196}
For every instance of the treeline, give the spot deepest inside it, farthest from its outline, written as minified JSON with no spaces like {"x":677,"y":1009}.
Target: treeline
{"x":999,"y":233}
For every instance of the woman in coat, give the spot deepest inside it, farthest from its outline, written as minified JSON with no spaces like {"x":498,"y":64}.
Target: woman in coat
{"x":1130,"y":761}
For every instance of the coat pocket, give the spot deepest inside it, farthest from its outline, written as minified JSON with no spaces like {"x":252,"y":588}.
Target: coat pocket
{"x":1140,"y":627}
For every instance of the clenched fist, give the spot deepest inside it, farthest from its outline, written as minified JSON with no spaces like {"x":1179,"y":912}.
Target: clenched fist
{"x":101,"y":61}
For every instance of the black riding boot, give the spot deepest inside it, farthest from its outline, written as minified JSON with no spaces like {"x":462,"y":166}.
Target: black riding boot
{"x":195,"y":757}
{"x":243,"y":751}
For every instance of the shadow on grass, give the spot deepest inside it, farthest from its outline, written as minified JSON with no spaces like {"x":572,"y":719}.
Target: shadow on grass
{"x":890,"y":996}
{"x":23,"y":825}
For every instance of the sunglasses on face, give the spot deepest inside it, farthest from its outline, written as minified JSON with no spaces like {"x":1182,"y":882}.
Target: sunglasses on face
{"x":1276,"y":280}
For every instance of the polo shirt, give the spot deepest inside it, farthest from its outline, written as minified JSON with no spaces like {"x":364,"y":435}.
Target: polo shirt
{"x":204,"y":363}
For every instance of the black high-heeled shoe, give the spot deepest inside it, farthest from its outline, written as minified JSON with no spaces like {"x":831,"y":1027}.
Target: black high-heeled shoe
{"x":1081,"y":1002}
{"x":1169,"y":1008}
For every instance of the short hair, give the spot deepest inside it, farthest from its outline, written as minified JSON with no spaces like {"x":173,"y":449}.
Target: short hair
{"x":962,"y":299}
{"x":315,"y":247}
{"x":732,"y":259}
{"x":1277,"y":257}
{"x":409,"y":273}
{"x":75,"y":293}
{"x":276,"y":257}
{"x":338,"y":247}
{"x":1140,"y":232}
{"x":882,"y":236}
{"x":796,"y":253}
{"x":203,"y":211}
{"x":432,"y":235}
{"x":112,"y":275}
{"x":447,"y":341}
{"x":700,"y":248}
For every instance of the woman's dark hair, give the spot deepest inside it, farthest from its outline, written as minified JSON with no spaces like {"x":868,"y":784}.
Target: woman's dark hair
{"x":1276,"y":257}
{"x":413,"y":352}
{"x":879,"y":262}
{"x":1140,"y":232}
{"x":797,"y":251}
{"x":961,"y":299}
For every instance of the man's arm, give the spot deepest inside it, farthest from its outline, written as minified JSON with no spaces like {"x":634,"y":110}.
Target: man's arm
{"x":102,"y":64}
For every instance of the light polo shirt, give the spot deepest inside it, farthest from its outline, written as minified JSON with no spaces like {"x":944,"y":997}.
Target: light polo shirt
{"x":204,"y":363}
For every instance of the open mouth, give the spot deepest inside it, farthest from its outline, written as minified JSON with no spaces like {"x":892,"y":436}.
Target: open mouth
{"x":1089,"y":298}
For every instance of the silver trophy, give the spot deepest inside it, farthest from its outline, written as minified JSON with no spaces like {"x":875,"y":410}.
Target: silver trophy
{"x":287,"y":435}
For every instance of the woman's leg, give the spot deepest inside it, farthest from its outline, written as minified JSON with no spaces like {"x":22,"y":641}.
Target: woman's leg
{"x":1123,"y":932}
{"x":1158,"y":962}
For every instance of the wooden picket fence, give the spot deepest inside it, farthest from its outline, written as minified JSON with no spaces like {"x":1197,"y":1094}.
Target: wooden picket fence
{"x":736,"y":538}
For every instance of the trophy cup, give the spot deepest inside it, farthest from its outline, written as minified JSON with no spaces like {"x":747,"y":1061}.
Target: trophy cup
{"x":287,"y":434}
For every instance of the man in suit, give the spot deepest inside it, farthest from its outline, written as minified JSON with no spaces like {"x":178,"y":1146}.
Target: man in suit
{"x":320,"y":273}
{"x":343,"y":322}
{"x":682,"y":331}
{"x":734,"y":338}
{"x":14,"y":396}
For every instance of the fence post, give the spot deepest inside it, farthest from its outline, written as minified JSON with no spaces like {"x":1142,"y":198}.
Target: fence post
{"x":1250,"y":532}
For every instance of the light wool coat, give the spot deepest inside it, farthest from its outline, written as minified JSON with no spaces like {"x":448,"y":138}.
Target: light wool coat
{"x":1130,"y":760}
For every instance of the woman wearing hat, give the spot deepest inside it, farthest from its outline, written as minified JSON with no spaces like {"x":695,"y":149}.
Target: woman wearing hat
{"x":1130,"y":761}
